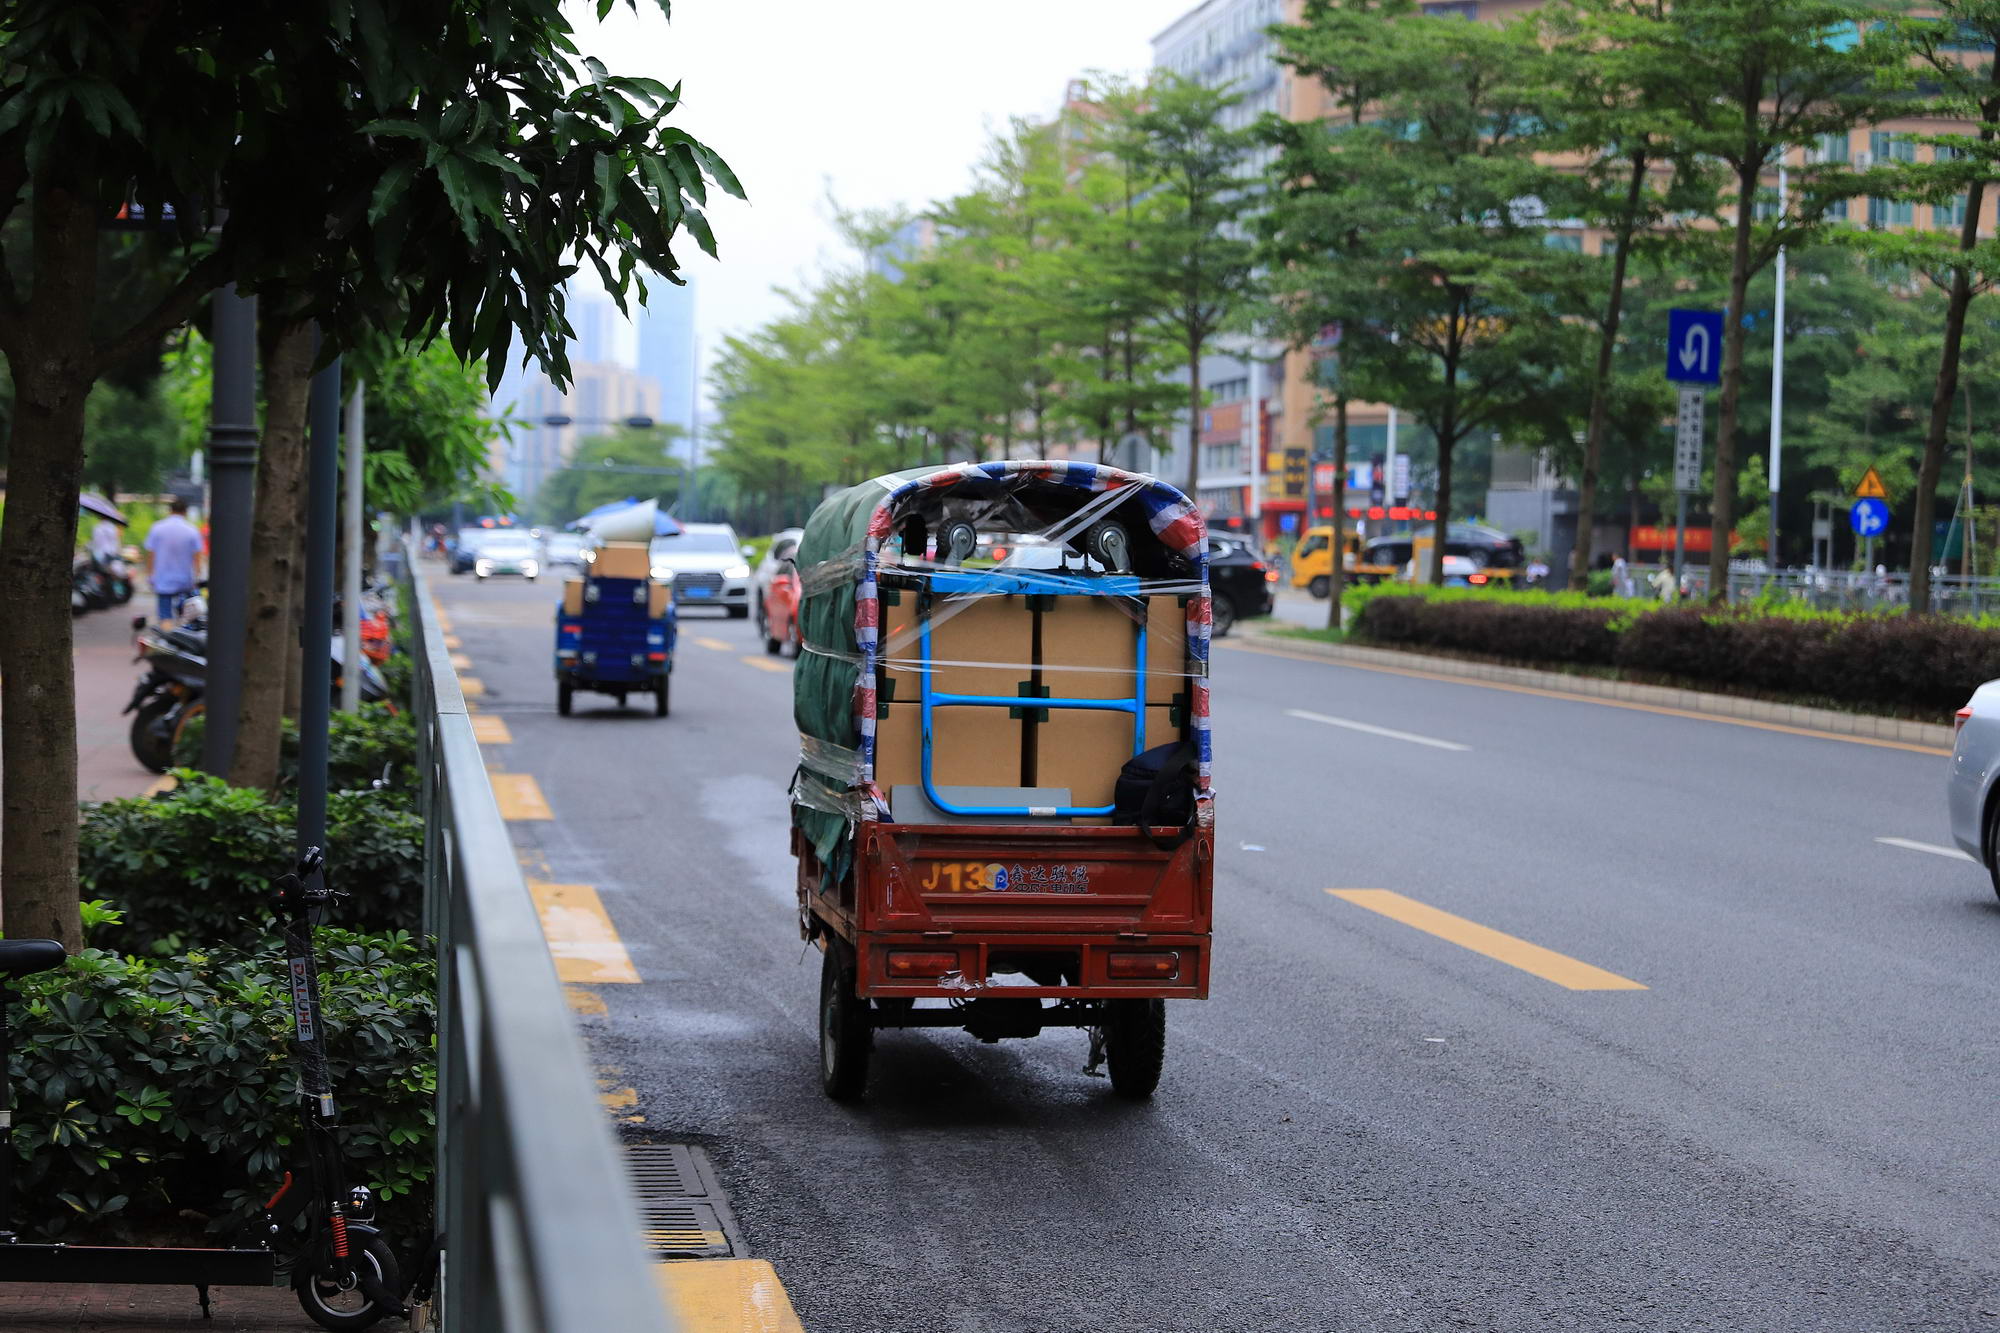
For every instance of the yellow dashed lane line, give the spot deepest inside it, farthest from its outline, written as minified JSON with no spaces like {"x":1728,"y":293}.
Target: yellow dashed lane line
{"x":1532,"y":958}
{"x":767,"y":664}
{"x":489,"y":729}
{"x":451,"y":642}
{"x":520,"y":796}
{"x":472,"y":687}
{"x":727,"y":1296}
{"x":580,"y":934}
{"x":584,"y":1002}
{"x":717,"y":645}
{"x":460,"y":662}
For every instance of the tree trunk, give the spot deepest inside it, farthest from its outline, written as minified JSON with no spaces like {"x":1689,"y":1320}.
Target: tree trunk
{"x":1441,"y":528}
{"x":1722,"y":506}
{"x":274,"y":552}
{"x":52,"y":377}
{"x":1923,"y":511}
{"x":1336,"y":578}
{"x":1194,"y":425}
{"x":1600,"y":388}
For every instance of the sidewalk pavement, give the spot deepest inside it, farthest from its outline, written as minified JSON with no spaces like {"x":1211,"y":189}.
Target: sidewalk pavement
{"x":105,"y":674}
{"x":101,"y":1308}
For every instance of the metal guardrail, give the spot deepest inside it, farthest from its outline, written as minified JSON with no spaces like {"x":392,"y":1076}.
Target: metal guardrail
{"x":541,"y":1232}
{"x":1841,"y":589}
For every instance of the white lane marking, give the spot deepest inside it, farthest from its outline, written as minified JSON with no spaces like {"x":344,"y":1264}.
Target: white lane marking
{"x":1411,"y":737}
{"x":1930,"y":847}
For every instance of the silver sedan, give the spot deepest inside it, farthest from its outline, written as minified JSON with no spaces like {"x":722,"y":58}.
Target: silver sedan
{"x":1975,"y":765}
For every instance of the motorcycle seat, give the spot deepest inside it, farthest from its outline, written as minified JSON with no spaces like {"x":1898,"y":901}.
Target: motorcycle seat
{"x":20,"y":958}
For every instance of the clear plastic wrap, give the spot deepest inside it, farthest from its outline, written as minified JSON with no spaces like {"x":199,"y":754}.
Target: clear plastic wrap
{"x":887,"y":568}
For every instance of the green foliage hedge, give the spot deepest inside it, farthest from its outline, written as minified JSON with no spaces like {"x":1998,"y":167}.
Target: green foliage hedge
{"x":362,"y":747}
{"x":1899,"y":664}
{"x":156,"y":1097}
{"x":192,"y":868}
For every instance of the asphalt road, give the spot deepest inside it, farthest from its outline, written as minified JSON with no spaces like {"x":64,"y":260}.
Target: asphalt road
{"x":1367,"y":1127}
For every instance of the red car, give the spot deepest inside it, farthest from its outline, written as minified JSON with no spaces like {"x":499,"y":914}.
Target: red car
{"x":780,"y":612}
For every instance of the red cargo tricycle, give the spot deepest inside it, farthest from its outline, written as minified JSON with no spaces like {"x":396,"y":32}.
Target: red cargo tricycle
{"x":1002,"y":814}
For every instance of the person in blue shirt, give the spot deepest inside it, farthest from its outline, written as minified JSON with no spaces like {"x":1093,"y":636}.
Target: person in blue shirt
{"x":173,"y":548}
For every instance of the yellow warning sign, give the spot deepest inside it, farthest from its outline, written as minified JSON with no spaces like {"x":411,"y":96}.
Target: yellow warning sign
{"x":1871,"y":487}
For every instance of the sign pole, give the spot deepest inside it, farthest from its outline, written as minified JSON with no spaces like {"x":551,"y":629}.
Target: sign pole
{"x":1680,"y":532}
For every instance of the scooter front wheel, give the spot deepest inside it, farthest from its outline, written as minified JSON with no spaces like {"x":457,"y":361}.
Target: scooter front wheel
{"x":333,"y":1292}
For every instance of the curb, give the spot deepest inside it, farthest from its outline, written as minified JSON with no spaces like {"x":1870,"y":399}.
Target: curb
{"x":1898,"y":730}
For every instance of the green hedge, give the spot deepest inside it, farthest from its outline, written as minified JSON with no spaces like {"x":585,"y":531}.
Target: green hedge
{"x":156,"y":1098}
{"x":1912,"y":665}
{"x":362,"y":747}
{"x":192,"y":867}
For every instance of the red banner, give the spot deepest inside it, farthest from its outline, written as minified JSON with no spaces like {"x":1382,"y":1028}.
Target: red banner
{"x":1662,"y":539}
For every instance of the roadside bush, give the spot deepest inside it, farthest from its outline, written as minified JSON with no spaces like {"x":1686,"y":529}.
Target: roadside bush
{"x":192,"y":867}
{"x":156,"y":1098}
{"x":361,"y":747}
{"x":1527,"y":627}
{"x":1926,"y":665}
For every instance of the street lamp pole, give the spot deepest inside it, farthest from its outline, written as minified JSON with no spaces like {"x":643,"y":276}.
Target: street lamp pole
{"x":1777,"y":377}
{"x":232,"y":457}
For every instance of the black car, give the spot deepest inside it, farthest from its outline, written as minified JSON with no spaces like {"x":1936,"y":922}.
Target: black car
{"x":1486,"y":548}
{"x":1240,"y":583}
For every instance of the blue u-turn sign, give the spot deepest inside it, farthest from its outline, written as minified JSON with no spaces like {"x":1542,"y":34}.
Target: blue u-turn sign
{"x":1694,"y":346}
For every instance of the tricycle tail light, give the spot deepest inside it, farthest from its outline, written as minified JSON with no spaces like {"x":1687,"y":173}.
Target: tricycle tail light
{"x":930,"y":963}
{"x":1163,"y":965}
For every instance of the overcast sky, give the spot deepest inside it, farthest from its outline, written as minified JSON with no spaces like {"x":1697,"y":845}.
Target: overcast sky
{"x":881,"y":102}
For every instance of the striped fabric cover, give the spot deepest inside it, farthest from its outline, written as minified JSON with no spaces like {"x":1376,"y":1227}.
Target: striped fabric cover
{"x":1177,"y":523}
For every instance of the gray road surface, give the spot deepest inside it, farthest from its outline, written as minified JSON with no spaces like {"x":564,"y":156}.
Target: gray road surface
{"x":1367,"y":1127}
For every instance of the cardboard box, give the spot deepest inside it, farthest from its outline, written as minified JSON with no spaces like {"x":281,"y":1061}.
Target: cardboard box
{"x":971,"y":747}
{"x":573,"y":596}
{"x":623,"y":560}
{"x":1166,"y":651}
{"x":997,"y":630}
{"x":1083,"y":750}
{"x":1089,"y":646}
{"x":657,"y":597}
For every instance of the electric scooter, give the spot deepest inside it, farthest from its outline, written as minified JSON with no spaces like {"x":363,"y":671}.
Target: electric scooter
{"x":317,"y":1234}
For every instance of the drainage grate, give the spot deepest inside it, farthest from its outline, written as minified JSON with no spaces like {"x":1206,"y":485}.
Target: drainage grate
{"x":682,"y":1212}
{"x":682,"y":1229}
{"x":664,"y":1169}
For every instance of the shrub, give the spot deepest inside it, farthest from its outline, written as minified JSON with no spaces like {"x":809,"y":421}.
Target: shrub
{"x":1915,"y":665}
{"x":193,"y":866}
{"x":361,"y":748}
{"x":156,"y":1098}
{"x":1539,"y":628}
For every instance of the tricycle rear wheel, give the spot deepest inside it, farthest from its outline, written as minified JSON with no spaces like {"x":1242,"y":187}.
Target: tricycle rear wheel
{"x":660,"y":698}
{"x":845,"y":1035}
{"x":564,"y":693}
{"x":1135,"y":1045}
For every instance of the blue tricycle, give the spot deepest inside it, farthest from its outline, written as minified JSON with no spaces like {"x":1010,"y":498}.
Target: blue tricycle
{"x":618,"y":641}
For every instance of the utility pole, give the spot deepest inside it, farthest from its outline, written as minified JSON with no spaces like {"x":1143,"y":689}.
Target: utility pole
{"x":1389,"y":479}
{"x":316,"y":645}
{"x":1777,"y":375}
{"x":352,"y":529}
{"x":1256,"y":505}
{"x":232,"y":457}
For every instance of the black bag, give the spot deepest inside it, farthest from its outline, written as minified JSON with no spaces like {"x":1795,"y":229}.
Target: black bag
{"x":1156,"y":787}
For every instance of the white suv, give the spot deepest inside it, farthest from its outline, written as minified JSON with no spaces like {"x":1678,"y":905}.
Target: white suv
{"x":708,"y":567}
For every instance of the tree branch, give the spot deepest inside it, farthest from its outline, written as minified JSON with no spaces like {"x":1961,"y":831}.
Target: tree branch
{"x":168,"y":313}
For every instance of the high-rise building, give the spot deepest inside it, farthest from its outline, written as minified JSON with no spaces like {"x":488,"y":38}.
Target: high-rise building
{"x":667,"y":348}
{"x":1225,"y":44}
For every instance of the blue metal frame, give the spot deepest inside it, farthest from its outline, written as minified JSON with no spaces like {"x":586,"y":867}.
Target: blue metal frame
{"x":1043,"y":583}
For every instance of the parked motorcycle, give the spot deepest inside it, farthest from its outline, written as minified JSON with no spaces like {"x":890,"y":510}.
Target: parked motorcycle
{"x":171,"y":692}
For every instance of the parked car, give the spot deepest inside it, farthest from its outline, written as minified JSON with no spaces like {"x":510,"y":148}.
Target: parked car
{"x":1240,"y":582}
{"x":465,"y":549}
{"x":783,"y":546}
{"x":1494,"y":556}
{"x":708,"y":565}
{"x":508,"y":552}
{"x":1975,"y":765}
{"x":778,"y":611}
{"x":563,"y":548}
